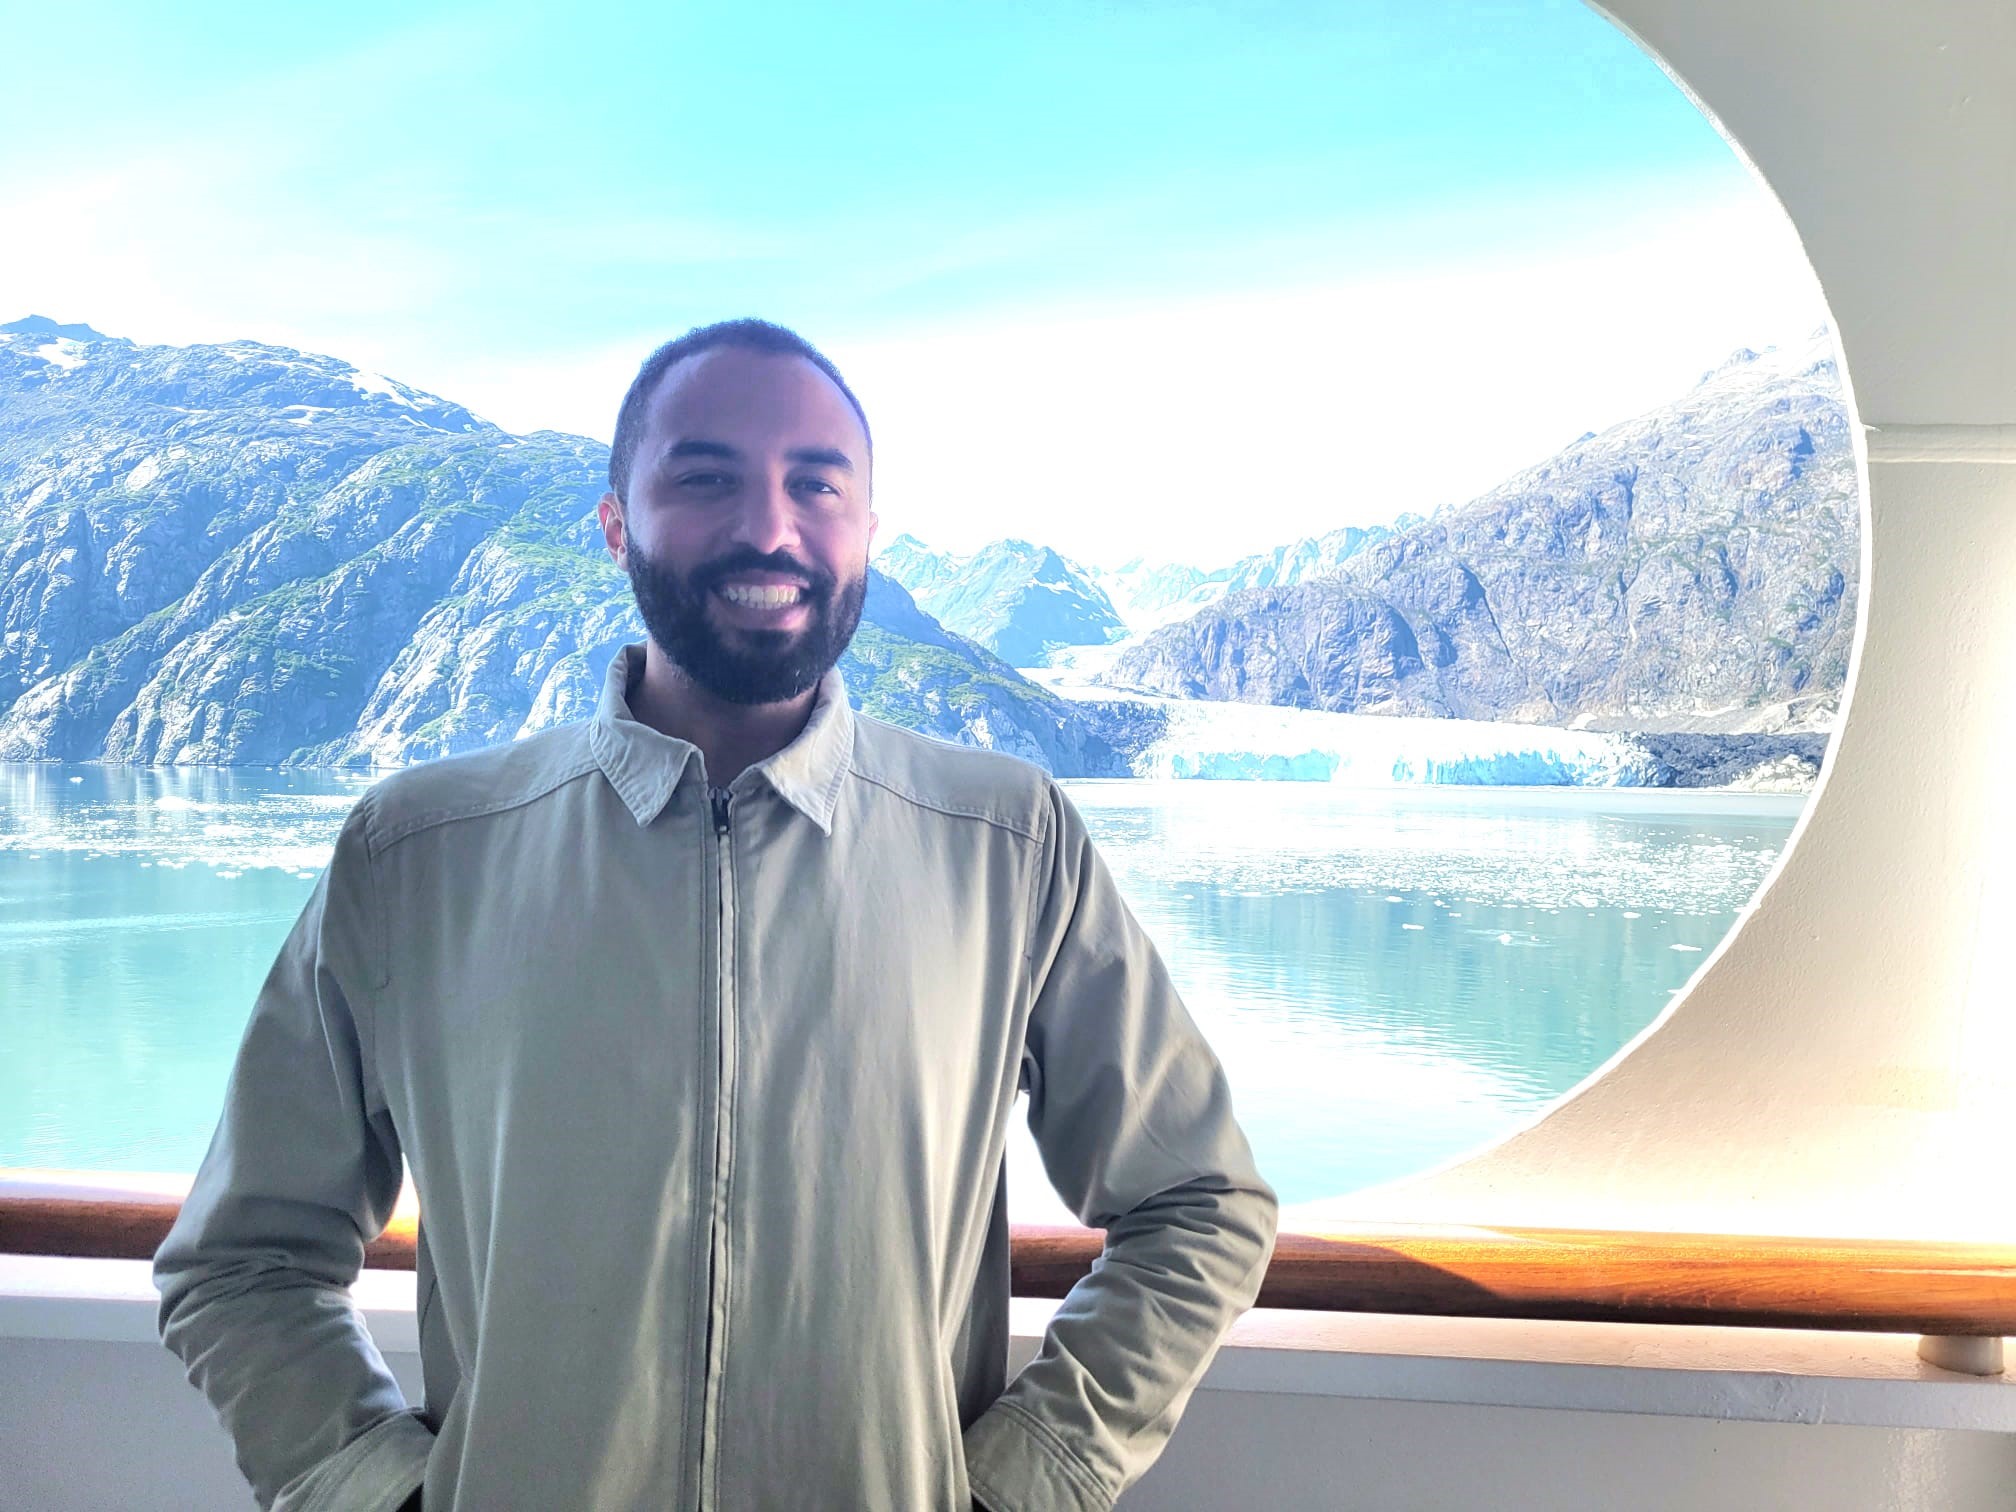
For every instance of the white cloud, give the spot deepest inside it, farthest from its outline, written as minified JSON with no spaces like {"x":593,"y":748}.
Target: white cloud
{"x":1205,"y":428}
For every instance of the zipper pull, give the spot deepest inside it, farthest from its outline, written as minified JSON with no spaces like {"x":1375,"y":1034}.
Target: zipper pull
{"x":721,"y":797}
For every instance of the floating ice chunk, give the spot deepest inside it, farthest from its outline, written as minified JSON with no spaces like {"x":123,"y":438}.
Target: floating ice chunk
{"x":1504,"y":939}
{"x":1395,"y":898}
{"x":1631,"y":914}
{"x":1692,"y":949}
{"x":1413,"y":926}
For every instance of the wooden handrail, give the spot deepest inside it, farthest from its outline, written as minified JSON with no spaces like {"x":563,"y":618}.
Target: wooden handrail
{"x":1742,"y":1280}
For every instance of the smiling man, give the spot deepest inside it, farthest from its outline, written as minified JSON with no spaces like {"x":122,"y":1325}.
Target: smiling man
{"x":739,"y":504}
{"x":700,"y":1025}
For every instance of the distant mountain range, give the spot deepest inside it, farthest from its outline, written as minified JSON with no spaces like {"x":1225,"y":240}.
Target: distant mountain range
{"x":1019,"y":601}
{"x":1693,"y":569}
{"x":1025,"y":603}
{"x":246,"y":554}
{"x":1149,"y":595}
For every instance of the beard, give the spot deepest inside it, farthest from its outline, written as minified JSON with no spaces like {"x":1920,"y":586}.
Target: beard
{"x":745,"y":666}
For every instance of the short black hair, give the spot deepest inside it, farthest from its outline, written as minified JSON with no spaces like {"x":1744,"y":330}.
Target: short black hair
{"x":748,"y":333}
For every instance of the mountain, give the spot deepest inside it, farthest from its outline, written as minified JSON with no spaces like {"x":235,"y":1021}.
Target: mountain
{"x":1026,"y":603}
{"x":250,"y":555}
{"x":1690,"y":570}
{"x":1019,"y":601}
{"x":1148,"y":596}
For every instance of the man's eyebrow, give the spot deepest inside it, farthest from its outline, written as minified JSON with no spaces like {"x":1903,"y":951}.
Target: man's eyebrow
{"x":819,"y":456}
{"x":703,"y":449}
{"x":810,"y":456}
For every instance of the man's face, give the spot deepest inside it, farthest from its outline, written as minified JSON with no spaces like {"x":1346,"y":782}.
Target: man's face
{"x":747,"y":528}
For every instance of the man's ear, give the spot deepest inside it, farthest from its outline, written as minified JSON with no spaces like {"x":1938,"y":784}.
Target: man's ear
{"x":610,"y":511}
{"x":873,"y":520}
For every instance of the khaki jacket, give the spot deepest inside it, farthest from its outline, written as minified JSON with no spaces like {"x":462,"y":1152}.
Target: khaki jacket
{"x":705,"y":1103}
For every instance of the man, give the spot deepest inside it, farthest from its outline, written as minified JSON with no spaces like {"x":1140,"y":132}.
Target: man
{"x":700,"y":1025}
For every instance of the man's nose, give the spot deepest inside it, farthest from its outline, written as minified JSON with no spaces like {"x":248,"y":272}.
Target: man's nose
{"x":767,"y":521}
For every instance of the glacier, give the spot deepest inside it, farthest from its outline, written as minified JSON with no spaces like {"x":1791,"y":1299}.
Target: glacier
{"x":1249,"y":742}
{"x":1263,"y":742}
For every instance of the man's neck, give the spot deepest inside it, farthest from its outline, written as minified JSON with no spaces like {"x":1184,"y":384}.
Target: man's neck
{"x":731,"y":737}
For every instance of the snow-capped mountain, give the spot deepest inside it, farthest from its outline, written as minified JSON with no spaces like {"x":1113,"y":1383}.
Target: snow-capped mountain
{"x":1035,"y":607}
{"x":1020,"y":601}
{"x":1148,"y":595}
{"x":247,"y":554}
{"x":1692,"y":569}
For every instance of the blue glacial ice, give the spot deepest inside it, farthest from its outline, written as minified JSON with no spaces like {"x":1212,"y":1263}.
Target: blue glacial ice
{"x":1248,"y":742}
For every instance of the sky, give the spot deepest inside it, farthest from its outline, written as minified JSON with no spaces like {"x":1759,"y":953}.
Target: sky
{"x":1174,"y":280}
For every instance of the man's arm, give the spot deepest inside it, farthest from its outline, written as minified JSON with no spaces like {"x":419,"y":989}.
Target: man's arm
{"x":302,"y":1172}
{"x":1134,"y":1120}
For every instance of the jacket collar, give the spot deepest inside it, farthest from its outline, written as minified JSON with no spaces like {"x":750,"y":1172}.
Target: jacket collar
{"x":646,"y":766}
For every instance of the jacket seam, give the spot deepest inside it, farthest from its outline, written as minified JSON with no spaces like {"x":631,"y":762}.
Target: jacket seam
{"x":378,"y":916}
{"x":433,"y":818}
{"x":983,"y":1489}
{"x":350,"y":1447}
{"x":1066,"y":1457}
{"x":940,"y":806}
{"x":364,"y":1013}
{"x":1037,"y":874}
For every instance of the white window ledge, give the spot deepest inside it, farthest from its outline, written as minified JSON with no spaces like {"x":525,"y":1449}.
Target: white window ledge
{"x":1732,"y":1374}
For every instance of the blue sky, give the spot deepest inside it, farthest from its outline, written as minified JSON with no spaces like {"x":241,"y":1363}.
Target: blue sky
{"x":1052,"y":243}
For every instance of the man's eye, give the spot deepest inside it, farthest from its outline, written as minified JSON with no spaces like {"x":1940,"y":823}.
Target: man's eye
{"x":703,"y":480}
{"x":818,"y":485}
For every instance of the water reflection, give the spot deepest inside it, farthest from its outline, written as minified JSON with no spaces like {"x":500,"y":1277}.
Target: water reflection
{"x":1395,"y":976}
{"x":1391,"y":976}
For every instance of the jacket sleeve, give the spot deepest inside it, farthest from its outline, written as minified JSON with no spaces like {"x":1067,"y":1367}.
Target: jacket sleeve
{"x":302,"y":1172}
{"x":1133,"y":1117}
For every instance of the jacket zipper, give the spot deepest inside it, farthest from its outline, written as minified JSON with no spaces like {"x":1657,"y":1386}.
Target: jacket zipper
{"x":724,"y":967}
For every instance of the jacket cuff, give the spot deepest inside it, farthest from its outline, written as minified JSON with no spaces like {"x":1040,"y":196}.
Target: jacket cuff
{"x":377,"y":1469}
{"x":1015,"y":1464}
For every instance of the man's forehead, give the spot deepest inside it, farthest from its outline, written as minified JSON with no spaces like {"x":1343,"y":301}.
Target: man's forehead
{"x":731,"y":393}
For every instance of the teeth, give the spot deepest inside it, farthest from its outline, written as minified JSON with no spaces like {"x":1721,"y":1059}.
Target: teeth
{"x":761,"y":598}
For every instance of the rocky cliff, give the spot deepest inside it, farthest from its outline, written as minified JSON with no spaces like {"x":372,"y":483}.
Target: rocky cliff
{"x":1693,"y":569}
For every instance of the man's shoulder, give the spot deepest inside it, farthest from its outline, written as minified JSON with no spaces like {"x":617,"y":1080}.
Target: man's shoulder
{"x":957,"y":781}
{"x":489,"y":781}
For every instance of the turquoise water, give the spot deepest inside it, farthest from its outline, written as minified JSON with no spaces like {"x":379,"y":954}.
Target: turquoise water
{"x":1391,"y":976}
